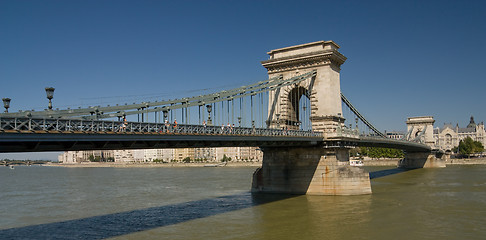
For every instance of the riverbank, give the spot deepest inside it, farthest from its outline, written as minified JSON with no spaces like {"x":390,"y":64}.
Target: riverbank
{"x":380,"y":162}
{"x":152,"y":165}
{"x":366,"y":162}
{"x":466,"y":161}
{"x":452,"y":161}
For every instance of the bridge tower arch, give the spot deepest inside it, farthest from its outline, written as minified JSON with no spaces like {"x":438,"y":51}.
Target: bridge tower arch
{"x":290,"y":112}
{"x":323,"y":89}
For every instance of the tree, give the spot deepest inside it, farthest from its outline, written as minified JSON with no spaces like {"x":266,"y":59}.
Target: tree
{"x":92,"y":158}
{"x":468,"y":146}
{"x":375,"y":152}
{"x":478,"y":146}
{"x":354,"y":152}
{"x":186,"y":160}
{"x":225,"y":158}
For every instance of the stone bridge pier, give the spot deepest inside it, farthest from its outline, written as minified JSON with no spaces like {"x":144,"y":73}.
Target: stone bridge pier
{"x":423,"y":160}
{"x":309,"y":170}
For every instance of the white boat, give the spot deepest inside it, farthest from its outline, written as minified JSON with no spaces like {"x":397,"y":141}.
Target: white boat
{"x":216,"y":165}
{"x":356,"y":163}
{"x":211,"y":165}
{"x":11,"y":167}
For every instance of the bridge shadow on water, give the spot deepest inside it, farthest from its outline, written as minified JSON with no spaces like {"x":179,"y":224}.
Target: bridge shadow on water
{"x":116,"y":224}
{"x":387,"y":172}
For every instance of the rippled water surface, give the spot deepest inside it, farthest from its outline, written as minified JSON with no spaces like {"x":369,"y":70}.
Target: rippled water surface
{"x":214,"y":203}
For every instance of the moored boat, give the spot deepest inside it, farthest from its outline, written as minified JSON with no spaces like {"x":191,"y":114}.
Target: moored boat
{"x":357,"y":163}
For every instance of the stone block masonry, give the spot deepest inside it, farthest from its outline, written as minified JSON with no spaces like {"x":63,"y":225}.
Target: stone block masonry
{"x":312,"y":171}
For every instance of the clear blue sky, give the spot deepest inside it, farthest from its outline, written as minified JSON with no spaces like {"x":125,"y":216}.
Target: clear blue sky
{"x":405,"y":58}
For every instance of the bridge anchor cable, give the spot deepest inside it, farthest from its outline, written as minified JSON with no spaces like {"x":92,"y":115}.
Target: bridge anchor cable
{"x":355,"y":111}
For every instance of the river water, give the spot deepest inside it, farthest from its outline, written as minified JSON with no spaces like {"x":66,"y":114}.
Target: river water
{"x":39,"y":202}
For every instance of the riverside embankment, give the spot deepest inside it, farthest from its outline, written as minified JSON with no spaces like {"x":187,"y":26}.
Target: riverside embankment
{"x":452,"y":161}
{"x":151,"y":165}
{"x":466,"y":161}
{"x":366,"y":162}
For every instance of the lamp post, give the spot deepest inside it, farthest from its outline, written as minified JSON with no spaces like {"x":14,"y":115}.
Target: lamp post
{"x":50,"y":95}
{"x":209,"y":108}
{"x":278,"y":120}
{"x":141,"y":111}
{"x":166,"y":113}
{"x":6,"y":103}
{"x":239,"y":121}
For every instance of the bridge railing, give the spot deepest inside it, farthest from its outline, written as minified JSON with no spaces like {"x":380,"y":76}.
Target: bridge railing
{"x":343,"y":132}
{"x":99,"y":126}
{"x":378,"y":141}
{"x":376,"y":137}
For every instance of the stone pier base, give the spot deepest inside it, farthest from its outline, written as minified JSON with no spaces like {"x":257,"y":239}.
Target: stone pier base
{"x":313,"y":171}
{"x":423,"y":160}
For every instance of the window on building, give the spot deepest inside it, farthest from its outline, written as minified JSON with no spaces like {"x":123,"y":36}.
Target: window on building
{"x":448,"y":139}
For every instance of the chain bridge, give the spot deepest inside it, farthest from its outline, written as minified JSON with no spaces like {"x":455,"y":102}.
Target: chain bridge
{"x":299,"y":117}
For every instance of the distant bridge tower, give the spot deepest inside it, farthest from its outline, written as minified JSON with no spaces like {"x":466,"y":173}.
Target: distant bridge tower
{"x":422,"y":129}
{"x":323,"y":89}
{"x":317,"y":170}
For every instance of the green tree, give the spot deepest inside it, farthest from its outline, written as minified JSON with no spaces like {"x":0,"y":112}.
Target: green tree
{"x":92,"y":158}
{"x":468,"y":146}
{"x":478,"y":146}
{"x":375,"y":152}
{"x":186,"y":160}
{"x":355,"y":152}
{"x":225,"y":158}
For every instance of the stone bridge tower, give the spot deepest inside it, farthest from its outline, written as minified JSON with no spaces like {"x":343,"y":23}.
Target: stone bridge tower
{"x":422,"y":129}
{"x":323,"y":89}
{"x":316,"y":170}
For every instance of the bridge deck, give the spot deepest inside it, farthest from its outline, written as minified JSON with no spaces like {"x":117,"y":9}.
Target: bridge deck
{"x":32,"y":135}
{"x":62,"y":141}
{"x":28,"y":141}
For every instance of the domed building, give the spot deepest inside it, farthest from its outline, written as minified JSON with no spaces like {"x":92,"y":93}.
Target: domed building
{"x":448,"y":137}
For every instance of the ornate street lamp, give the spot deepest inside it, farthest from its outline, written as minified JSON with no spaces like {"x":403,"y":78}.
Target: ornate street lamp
{"x":6,"y":103}
{"x":166,"y":113}
{"x":141,"y":111}
{"x":278,"y":120}
{"x":209,"y":108}
{"x":50,"y":95}
{"x":239,"y":121}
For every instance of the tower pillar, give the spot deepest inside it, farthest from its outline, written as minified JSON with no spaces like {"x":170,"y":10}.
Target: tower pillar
{"x":323,"y":89}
